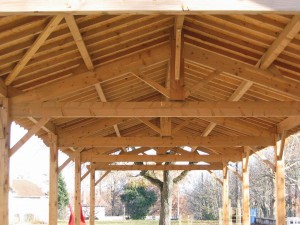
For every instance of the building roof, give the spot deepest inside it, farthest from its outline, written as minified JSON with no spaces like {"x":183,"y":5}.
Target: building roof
{"x":26,"y":189}
{"x":106,"y":80}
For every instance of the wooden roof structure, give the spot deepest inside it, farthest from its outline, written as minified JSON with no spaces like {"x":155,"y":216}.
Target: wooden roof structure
{"x":106,"y":78}
{"x":106,"y":81}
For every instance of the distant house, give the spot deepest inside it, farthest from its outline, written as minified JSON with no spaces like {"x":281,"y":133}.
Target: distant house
{"x":27,"y":202}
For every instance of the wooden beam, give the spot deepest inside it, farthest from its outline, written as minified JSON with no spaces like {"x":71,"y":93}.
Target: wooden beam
{"x":236,"y":173}
{"x":149,"y":124}
{"x":92,"y":196}
{"x":176,"y":69}
{"x":215,"y":177}
{"x":225,"y":195}
{"x":82,"y":78}
{"x":77,"y":200}
{"x":3,"y":89}
{"x":240,"y":91}
{"x":160,"y":158}
{"x":156,"y":109}
{"x":280,"y":148}
{"x":264,"y":159}
{"x":240,"y":126}
{"x":208,"y":129}
{"x":280,"y":190}
{"x":166,"y":141}
{"x":65,"y":163}
{"x":157,"y":167}
{"x":243,"y":71}
{"x":79,"y":41}
{"x":4,"y":161}
{"x":90,"y":129}
{"x":280,"y":43}
{"x":85,"y":174}
{"x":202,"y":83}
{"x":288,"y":124}
{"x":49,"y":127}
{"x":147,"y":7}
{"x":28,"y":135}
{"x":156,"y":86}
{"x":33,"y":49}
{"x":102,"y":177}
{"x":178,"y":44}
{"x":181,"y":125}
{"x":166,"y":126}
{"x":53,"y":176}
{"x":245,"y":187}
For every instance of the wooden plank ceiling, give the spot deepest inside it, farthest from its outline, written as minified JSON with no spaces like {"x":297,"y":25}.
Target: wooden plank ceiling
{"x":154,"y":58}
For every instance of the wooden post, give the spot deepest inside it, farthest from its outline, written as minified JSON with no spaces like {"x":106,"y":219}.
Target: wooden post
{"x":77,"y":204}
{"x":92,"y":195}
{"x":53,"y":179}
{"x":245,"y":189}
{"x":280,"y":184}
{"x":4,"y":161}
{"x":225,"y":195}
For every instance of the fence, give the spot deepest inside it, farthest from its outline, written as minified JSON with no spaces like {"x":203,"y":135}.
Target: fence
{"x":265,"y":221}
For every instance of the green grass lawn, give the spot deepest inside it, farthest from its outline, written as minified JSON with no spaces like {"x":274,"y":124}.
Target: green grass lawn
{"x":146,"y":222}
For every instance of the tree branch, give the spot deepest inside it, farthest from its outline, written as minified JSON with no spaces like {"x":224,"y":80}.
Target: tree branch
{"x":181,"y":176}
{"x":155,"y":181}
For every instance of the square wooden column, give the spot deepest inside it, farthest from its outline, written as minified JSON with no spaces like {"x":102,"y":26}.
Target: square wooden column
{"x":245,"y":188}
{"x":225,"y":195}
{"x":53,"y":179}
{"x":92,"y":195}
{"x":77,"y":203}
{"x":4,"y":161}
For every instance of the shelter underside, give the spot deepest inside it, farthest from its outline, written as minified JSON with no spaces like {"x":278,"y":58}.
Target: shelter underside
{"x":194,"y":86}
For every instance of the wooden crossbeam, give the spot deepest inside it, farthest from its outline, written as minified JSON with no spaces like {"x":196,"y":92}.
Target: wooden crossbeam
{"x":235,"y":173}
{"x":158,"y":167}
{"x":82,"y":78}
{"x":166,"y":141}
{"x":166,"y":126}
{"x":85,"y":174}
{"x":35,"y":128}
{"x":181,"y":125}
{"x":215,"y":176}
{"x":102,"y":177}
{"x":263,"y":159}
{"x":65,"y":163}
{"x":202,"y":83}
{"x":280,"y":43}
{"x":33,"y":49}
{"x":242,"y":70}
{"x":156,"y":86}
{"x":160,"y":158}
{"x":155,"y":109}
{"x":44,"y":7}
{"x":151,"y":125}
{"x":79,"y":41}
{"x":103,"y":99}
{"x":288,"y":123}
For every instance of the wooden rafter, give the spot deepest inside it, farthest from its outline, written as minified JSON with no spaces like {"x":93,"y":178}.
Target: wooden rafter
{"x":243,"y":71}
{"x":280,"y":43}
{"x":288,"y":123}
{"x":81,"y":80}
{"x":33,"y":49}
{"x":79,"y":41}
{"x":156,"y":109}
{"x":151,"y":125}
{"x":166,"y":141}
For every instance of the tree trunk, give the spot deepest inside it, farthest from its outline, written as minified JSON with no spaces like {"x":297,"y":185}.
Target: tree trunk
{"x":166,"y":199}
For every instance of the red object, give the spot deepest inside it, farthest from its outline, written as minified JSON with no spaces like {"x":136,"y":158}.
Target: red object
{"x":72,"y":217}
